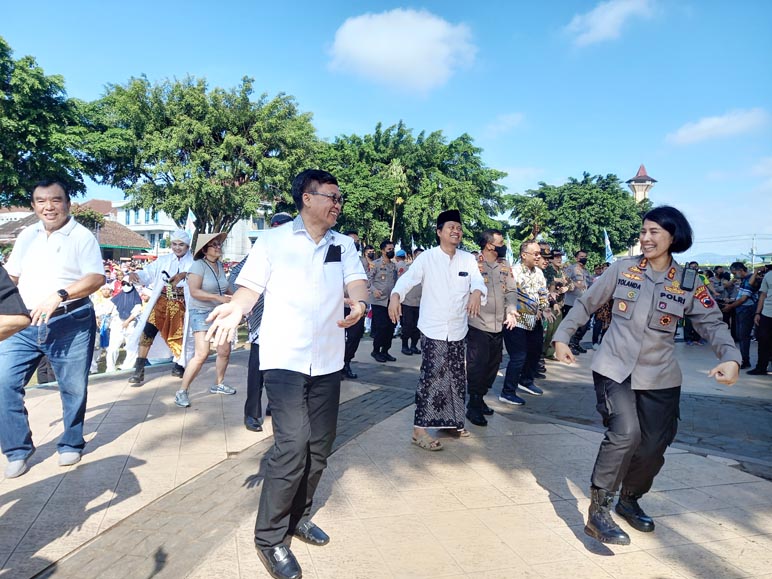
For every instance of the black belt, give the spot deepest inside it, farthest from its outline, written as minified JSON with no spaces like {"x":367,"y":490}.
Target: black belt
{"x":69,"y":307}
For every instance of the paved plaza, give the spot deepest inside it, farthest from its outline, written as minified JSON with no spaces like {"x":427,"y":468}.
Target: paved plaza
{"x":169,"y":492}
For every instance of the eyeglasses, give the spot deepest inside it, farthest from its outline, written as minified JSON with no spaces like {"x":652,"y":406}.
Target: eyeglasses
{"x":334,"y":198}
{"x":215,"y":244}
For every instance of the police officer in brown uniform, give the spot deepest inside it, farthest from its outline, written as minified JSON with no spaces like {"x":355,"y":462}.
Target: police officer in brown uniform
{"x":382,"y":277}
{"x":485,"y":337}
{"x":637,"y":379}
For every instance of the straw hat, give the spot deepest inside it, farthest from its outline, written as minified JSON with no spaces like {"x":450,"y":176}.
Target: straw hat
{"x":204,"y":239}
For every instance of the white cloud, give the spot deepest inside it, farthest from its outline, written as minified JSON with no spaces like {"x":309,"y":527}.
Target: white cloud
{"x":605,"y":21}
{"x":503,"y":124}
{"x":732,"y":123}
{"x":763,"y":167}
{"x":408,"y":50}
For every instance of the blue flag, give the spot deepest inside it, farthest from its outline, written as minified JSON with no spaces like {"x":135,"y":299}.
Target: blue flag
{"x":607,"y":243}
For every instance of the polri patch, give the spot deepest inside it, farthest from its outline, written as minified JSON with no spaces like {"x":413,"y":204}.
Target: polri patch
{"x":662,"y":305}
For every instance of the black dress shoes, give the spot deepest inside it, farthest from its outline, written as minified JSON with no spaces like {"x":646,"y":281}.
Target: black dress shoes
{"x":407,"y":351}
{"x":280,"y":562}
{"x":487,"y":410}
{"x":415,"y":350}
{"x":378,"y":356}
{"x":309,"y":533}
{"x":253,"y":424}
{"x":476,"y":417}
{"x":347,"y":372}
{"x":178,"y":371}
{"x":388,"y":357}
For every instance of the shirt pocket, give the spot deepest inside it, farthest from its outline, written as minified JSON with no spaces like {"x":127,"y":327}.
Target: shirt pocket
{"x":668,"y":311}
{"x":626,"y":295}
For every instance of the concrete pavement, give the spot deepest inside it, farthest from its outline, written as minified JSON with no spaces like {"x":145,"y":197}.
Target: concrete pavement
{"x":168,"y":492}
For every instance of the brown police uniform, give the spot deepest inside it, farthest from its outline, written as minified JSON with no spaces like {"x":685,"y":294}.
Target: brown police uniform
{"x":637,"y":379}
{"x":485,"y":337}
{"x":382,"y":276}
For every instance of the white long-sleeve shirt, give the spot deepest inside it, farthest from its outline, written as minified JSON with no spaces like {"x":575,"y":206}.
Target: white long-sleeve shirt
{"x":447,"y":283}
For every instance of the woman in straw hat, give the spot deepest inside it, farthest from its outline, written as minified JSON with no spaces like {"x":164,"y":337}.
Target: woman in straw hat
{"x":208,"y":287}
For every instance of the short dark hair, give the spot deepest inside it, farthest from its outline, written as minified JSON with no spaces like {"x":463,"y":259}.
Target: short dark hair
{"x":578,"y":251}
{"x":674,"y":222}
{"x":386,"y":242}
{"x":368,"y":246}
{"x":305,"y":180}
{"x":351,"y":232}
{"x":486,"y":237}
{"x":525,"y":244}
{"x":725,"y":275}
{"x":48,"y":183}
{"x":738,"y":265}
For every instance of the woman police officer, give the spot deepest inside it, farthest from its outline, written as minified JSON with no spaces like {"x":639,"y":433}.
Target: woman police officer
{"x":637,"y":380}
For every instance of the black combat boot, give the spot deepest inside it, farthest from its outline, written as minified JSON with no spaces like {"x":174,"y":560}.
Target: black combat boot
{"x":600,"y":525}
{"x":139,"y":372}
{"x":474,"y":410}
{"x":631,"y":511}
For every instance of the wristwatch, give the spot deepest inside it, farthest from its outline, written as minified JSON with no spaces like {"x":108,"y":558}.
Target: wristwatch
{"x":62,"y":293}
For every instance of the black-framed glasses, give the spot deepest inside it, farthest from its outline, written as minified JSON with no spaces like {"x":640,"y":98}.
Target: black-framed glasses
{"x":334,"y":198}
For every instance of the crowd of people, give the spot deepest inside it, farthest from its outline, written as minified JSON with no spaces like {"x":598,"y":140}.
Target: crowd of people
{"x":464,"y":309}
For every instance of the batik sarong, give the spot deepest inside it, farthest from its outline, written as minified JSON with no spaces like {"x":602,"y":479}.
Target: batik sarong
{"x":439,"y":398}
{"x":168,"y":317}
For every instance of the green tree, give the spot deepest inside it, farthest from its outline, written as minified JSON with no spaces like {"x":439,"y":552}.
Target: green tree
{"x":176,"y":145}
{"x":87,"y":217}
{"x":40,"y":130}
{"x":578,"y":211}
{"x":396,"y":184}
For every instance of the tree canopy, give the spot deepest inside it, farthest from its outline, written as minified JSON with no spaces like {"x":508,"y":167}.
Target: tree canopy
{"x":40,"y":130}
{"x":395,"y":184}
{"x":574,"y":215}
{"x":177,"y":145}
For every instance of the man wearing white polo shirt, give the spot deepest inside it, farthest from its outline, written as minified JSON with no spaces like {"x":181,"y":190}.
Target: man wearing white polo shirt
{"x":57,"y":265}
{"x":302,"y":270}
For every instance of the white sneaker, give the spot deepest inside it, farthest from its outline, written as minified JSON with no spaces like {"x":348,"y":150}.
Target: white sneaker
{"x":69,"y":458}
{"x":222,"y":389}
{"x":16,"y":468}
{"x":181,"y":398}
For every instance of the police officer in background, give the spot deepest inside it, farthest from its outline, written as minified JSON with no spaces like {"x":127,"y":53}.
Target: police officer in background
{"x":411,"y":310}
{"x":354,"y":333}
{"x":485,"y":337}
{"x":382,"y":277}
{"x":637,"y":379}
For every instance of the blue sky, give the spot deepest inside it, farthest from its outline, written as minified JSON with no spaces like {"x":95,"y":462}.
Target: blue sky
{"x":547,"y":89}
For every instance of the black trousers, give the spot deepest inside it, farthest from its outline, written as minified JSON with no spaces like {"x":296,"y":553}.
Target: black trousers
{"x":353,"y":337}
{"x":641,"y":425}
{"x":382,"y":329}
{"x":304,"y":410}
{"x":580,"y":332}
{"x":524,"y":350}
{"x":253,"y":406}
{"x":483,"y":358}
{"x":764,"y":336}
{"x":410,"y":331}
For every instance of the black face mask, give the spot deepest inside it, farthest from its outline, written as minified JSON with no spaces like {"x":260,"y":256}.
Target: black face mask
{"x":582,"y":260}
{"x":357,"y":245}
{"x":501,"y":251}
{"x":390,"y":254}
{"x":371,"y":254}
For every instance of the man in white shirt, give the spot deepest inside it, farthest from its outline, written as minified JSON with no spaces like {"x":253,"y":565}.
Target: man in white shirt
{"x":57,"y":265}
{"x":453,"y":289}
{"x":302,"y":270}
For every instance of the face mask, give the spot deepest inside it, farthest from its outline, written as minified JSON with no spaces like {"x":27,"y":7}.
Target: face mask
{"x":582,"y":260}
{"x":357,"y":245}
{"x":127,"y":288}
{"x":371,"y":254}
{"x":501,"y":251}
{"x":390,"y":254}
